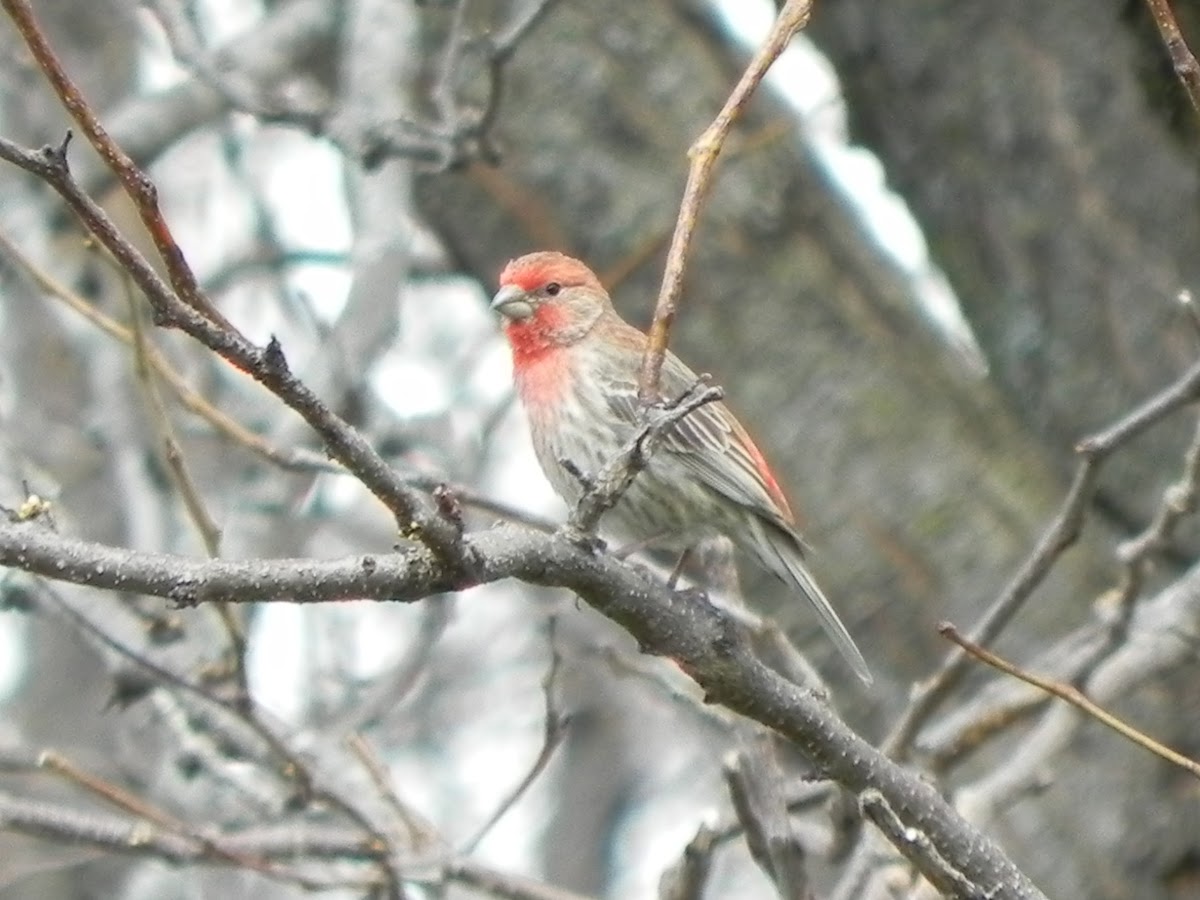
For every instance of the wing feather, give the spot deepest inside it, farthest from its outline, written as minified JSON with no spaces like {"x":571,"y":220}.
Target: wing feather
{"x":713,"y":445}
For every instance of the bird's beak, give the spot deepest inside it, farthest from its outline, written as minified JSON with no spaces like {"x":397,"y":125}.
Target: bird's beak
{"x":512,"y":301}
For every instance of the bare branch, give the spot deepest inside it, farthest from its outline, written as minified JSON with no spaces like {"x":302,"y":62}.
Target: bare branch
{"x":507,"y":887}
{"x":239,"y":91}
{"x":421,"y":833}
{"x":137,"y":184}
{"x":291,"y":844}
{"x":703,"y":155}
{"x":1162,"y":641}
{"x":706,"y":643}
{"x":1181,"y":55}
{"x":460,"y":134}
{"x":755,"y":784}
{"x":296,"y":459}
{"x":267,"y":365}
{"x":1137,"y":553}
{"x":947,"y":879}
{"x":554,"y":730}
{"x":175,"y":463}
{"x":688,"y":878}
{"x":55,"y":762}
{"x":1184,"y":390}
{"x":1073,"y":696}
{"x":391,"y":689}
{"x":1061,"y":534}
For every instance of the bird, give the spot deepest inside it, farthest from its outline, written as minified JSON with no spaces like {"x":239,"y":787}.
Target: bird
{"x":576,"y":364}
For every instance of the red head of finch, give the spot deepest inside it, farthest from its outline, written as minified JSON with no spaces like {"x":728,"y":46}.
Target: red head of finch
{"x":576,"y":365}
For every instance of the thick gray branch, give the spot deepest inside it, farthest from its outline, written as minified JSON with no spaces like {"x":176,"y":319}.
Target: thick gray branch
{"x":707,"y":644}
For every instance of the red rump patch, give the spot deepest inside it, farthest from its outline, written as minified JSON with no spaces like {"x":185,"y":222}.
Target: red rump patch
{"x":536,"y":270}
{"x":763,"y":470}
{"x":773,"y":488}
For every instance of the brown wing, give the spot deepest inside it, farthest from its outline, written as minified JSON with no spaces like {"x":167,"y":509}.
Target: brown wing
{"x":713,"y":445}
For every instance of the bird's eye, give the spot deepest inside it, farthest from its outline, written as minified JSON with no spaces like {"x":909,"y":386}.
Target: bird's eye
{"x":553,"y":288}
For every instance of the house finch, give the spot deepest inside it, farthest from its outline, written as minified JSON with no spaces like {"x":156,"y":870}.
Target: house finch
{"x":576,"y":365}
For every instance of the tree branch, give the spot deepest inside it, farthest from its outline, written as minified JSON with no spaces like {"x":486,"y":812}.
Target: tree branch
{"x":703,"y":155}
{"x":266,"y":365}
{"x":1059,"y":535}
{"x":137,"y":184}
{"x":1181,"y":55}
{"x":706,"y":643}
{"x":1072,"y":695}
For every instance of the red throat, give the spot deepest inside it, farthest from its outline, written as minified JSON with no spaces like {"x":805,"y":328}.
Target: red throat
{"x":540,"y":362}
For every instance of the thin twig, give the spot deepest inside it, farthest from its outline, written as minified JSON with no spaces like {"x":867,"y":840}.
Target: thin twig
{"x":290,"y":843}
{"x":185,"y":307}
{"x":296,"y":460}
{"x":950,"y":881}
{"x":469,"y":131}
{"x":289,"y":765}
{"x":420,"y":833}
{"x":1073,"y":696}
{"x":267,"y":365}
{"x":472,"y":498}
{"x":500,"y":50}
{"x":175,"y":464}
{"x":292,"y":766}
{"x":703,"y":155}
{"x":991,"y":722}
{"x":688,"y":878}
{"x":137,"y":184}
{"x":240,"y":93}
{"x":555,"y":729}
{"x":68,"y":826}
{"x":1061,"y":534}
{"x":375,"y":838}
{"x":1182,"y":58}
{"x":459,"y":135}
{"x":391,"y":688}
{"x":1179,"y":500}
{"x":1184,"y":390}
{"x":755,"y":782}
{"x":158,"y":674}
{"x":57,"y":763}
{"x":503,"y":885}
{"x":173,"y":459}
{"x":648,"y":246}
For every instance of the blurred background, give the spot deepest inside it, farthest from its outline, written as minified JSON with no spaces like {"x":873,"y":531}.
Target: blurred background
{"x":945,"y":243}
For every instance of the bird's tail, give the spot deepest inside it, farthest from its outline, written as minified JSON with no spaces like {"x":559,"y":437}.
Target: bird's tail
{"x":780,"y":551}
